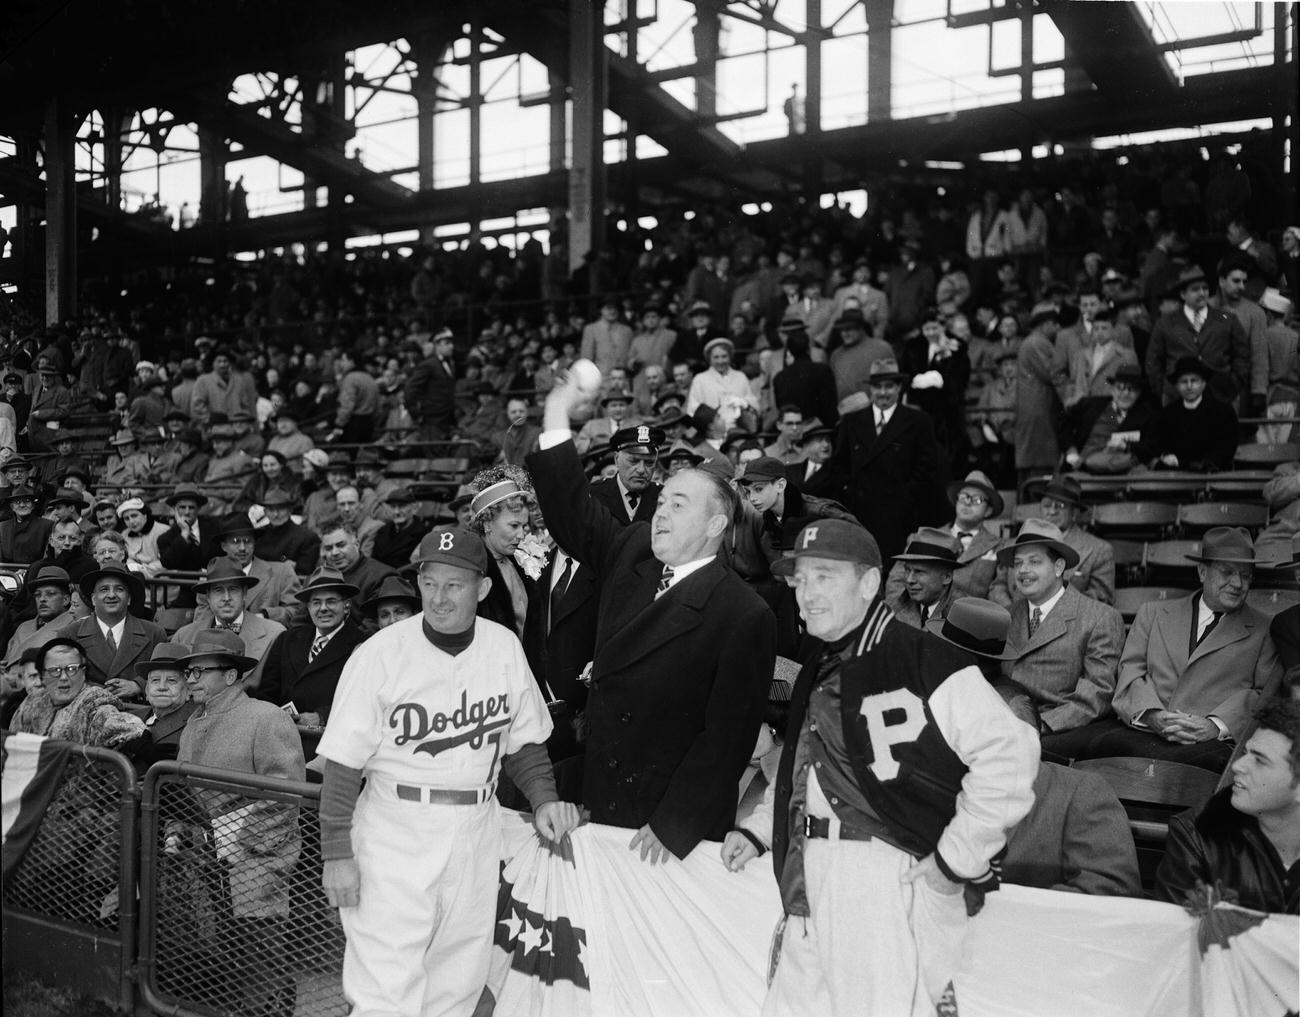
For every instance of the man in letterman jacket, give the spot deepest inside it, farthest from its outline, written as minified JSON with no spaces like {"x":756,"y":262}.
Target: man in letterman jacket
{"x":902,"y":772}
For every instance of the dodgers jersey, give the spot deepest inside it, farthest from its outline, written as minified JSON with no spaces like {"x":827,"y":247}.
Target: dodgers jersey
{"x":410,"y":712}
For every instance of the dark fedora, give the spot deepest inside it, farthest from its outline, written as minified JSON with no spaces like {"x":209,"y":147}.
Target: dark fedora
{"x":1191,"y":365}
{"x":1040,"y":531}
{"x":49,"y":575}
{"x":277,"y":497}
{"x":935,"y":546}
{"x":392,"y":588}
{"x":1065,"y":489}
{"x":1230,"y":544}
{"x":886,"y":369}
{"x":671,"y":396}
{"x":816,"y":432}
{"x":188,"y":492}
{"x":113,"y":570}
{"x":1293,"y":564}
{"x":21,"y":491}
{"x":164,"y":655}
{"x":327,"y":579}
{"x":851,"y":318}
{"x":616,"y":395}
{"x":67,"y":496}
{"x":222,"y":644}
{"x":399,"y":496}
{"x":1128,"y":376}
{"x":682,"y":450}
{"x":979,"y":627}
{"x":235,"y":524}
{"x":1191,"y":274}
{"x":223,"y":571}
{"x":981,"y":482}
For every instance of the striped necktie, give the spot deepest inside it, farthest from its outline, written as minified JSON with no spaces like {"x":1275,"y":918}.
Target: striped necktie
{"x":317,"y":645}
{"x":665,"y":581}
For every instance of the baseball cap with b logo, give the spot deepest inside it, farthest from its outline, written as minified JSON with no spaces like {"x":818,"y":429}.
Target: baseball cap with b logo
{"x":453,"y":545}
{"x":833,"y":539}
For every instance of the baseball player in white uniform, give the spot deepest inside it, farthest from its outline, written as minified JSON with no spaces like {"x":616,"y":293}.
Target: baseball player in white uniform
{"x":428,"y":710}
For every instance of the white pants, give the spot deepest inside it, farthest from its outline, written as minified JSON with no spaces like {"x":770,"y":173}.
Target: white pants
{"x":872,"y":944}
{"x":420,"y":941}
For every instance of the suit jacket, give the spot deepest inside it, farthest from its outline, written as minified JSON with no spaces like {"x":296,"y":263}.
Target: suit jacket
{"x":1075,"y":838}
{"x":287,"y":677}
{"x":894,"y":478}
{"x":1085,"y":381}
{"x":1094,"y":576}
{"x":607,"y":493}
{"x":256,"y":633}
{"x":139,"y":637}
{"x":811,"y":387}
{"x":908,"y":611}
{"x":560,"y":645}
{"x":179,"y":554}
{"x":679,"y":683}
{"x":1067,"y":668}
{"x":431,"y":393}
{"x":28,"y":634}
{"x":947,"y":405}
{"x":977,"y":565}
{"x":276,"y":593}
{"x":22,"y":543}
{"x":1285,"y":629}
{"x":1221,"y":343}
{"x":1233,"y":670}
{"x":292,"y":543}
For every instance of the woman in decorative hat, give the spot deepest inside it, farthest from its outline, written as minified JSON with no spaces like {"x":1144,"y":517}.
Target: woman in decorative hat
{"x":141,"y":532}
{"x":502,"y":514}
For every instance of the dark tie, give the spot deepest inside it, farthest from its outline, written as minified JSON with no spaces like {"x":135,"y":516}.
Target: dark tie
{"x":925,"y":615}
{"x":112,"y":642}
{"x":1035,"y":619}
{"x":664,"y":582}
{"x":561,"y":586}
{"x":632,"y":501}
{"x":1209,"y":628}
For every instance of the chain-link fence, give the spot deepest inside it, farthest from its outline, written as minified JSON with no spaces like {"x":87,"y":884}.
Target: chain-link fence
{"x":234,"y":921}
{"x":70,"y":907}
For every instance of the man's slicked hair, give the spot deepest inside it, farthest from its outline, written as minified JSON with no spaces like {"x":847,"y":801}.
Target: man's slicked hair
{"x":1283,"y":716}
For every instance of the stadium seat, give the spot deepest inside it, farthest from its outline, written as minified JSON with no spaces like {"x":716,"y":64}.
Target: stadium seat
{"x":1129,"y":555}
{"x":1238,"y":485}
{"x":173,"y":618}
{"x":1100,"y":488}
{"x":1151,"y":519}
{"x":1129,"y":598}
{"x":1272,"y":602}
{"x":1025,"y":510}
{"x":407,"y":467}
{"x":1166,"y":562}
{"x":1196,"y":519}
{"x":1266,"y":455}
{"x":1175,"y":487}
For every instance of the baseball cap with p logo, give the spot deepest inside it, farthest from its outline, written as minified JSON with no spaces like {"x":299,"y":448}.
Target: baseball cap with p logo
{"x":832,"y":539}
{"x":453,"y":545}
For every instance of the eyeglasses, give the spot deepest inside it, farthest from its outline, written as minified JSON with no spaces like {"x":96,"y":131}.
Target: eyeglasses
{"x":971,"y":499}
{"x":325,"y":602}
{"x":1243,"y":572}
{"x":195,"y":673}
{"x":71,"y":670}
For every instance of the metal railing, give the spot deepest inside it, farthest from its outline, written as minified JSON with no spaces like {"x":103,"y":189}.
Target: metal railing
{"x":70,"y":908}
{"x":232,"y":916}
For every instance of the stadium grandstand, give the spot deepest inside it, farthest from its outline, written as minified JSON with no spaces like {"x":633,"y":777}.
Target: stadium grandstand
{"x":289,"y":286}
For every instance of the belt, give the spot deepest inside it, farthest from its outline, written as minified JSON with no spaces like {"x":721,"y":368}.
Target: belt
{"x":438,"y":796}
{"x":817,"y":827}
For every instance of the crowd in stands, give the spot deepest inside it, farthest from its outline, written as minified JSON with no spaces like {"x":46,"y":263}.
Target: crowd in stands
{"x":904,"y":370}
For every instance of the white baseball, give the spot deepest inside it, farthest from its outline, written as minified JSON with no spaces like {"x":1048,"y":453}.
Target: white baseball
{"x":586,"y":376}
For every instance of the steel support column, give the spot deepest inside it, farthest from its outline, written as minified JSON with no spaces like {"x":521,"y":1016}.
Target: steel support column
{"x":212,"y":177}
{"x":812,"y":43}
{"x":1286,"y":20}
{"x":589,"y":85}
{"x":706,"y":31}
{"x":880,"y":60}
{"x":60,"y":213}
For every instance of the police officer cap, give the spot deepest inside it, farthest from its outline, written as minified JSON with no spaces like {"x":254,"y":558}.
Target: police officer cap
{"x":835,"y":539}
{"x":453,"y":545}
{"x":643,"y":439}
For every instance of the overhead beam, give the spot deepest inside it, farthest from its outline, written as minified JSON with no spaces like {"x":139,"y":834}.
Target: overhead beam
{"x":262,"y":136}
{"x":1115,"y":46}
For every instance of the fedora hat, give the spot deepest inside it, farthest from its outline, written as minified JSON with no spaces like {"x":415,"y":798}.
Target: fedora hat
{"x":113,"y":570}
{"x":235,"y":524}
{"x":222,"y":644}
{"x":682,"y":450}
{"x":124,"y":436}
{"x":1191,"y":365}
{"x":981,"y":482}
{"x":851,"y":318}
{"x":929,"y":544}
{"x":392,"y":588}
{"x":1227,"y":544}
{"x":1293,"y":564}
{"x":164,"y":655}
{"x":186,"y":491}
{"x":277,"y":497}
{"x":1191,"y":274}
{"x":1039,"y":531}
{"x":1065,"y":489}
{"x":326,"y":579}
{"x":21,"y":491}
{"x":977,"y":626}
{"x":820,"y":431}
{"x":671,"y":396}
{"x":1128,"y":375}
{"x":48,"y":575}
{"x":616,"y":395}
{"x":886,"y":369}
{"x":67,"y":496}
{"x":223,"y":570}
